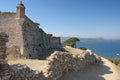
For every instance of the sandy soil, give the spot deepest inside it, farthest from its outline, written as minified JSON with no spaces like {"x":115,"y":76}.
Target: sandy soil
{"x":33,"y":64}
{"x":73,"y":50}
{"x":103,"y":71}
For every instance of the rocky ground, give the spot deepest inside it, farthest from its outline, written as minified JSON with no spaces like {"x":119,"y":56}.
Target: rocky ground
{"x":104,"y":71}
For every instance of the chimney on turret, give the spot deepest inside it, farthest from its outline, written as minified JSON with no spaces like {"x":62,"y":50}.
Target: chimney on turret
{"x":20,"y":10}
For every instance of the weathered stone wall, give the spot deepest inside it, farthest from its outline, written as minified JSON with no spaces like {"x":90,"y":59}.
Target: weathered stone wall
{"x":37,"y":43}
{"x":55,"y":43}
{"x":4,"y":67}
{"x":3,"y":40}
{"x":11,"y":27}
{"x":26,"y":38}
{"x":33,"y":39}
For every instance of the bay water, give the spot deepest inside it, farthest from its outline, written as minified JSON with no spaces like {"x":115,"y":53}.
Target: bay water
{"x":103,"y":48}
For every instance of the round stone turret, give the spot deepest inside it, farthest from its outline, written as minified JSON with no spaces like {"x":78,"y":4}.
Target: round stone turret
{"x":20,"y":10}
{"x":20,"y":4}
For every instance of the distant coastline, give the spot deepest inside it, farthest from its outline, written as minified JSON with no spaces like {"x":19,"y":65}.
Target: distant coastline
{"x":91,"y":39}
{"x":107,"y":48}
{"x":103,"y":47}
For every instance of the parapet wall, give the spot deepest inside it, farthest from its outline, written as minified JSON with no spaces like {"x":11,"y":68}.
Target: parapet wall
{"x":59,"y":63}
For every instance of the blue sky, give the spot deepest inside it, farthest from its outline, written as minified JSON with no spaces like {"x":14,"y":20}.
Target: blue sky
{"x":80,"y":18}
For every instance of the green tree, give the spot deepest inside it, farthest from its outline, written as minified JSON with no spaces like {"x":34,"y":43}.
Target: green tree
{"x":71,"y":42}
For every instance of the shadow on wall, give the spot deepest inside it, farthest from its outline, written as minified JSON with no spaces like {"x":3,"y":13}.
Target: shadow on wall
{"x":50,"y":51}
{"x":91,"y":72}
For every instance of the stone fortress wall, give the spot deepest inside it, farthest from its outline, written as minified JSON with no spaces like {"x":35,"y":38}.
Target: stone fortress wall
{"x":14,"y":72}
{"x":59,"y":64}
{"x":11,"y":27}
{"x":25,"y":35}
{"x":37,"y":41}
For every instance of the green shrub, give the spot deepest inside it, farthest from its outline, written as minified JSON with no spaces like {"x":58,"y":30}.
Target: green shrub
{"x":68,"y":44}
{"x":115,"y":60}
{"x":119,"y":65}
{"x":83,"y":48}
{"x":71,"y":42}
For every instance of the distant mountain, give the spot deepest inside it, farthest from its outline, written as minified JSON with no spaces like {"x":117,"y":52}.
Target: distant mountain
{"x":90,"y":39}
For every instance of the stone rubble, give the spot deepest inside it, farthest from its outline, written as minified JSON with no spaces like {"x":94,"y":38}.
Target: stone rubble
{"x":59,"y":63}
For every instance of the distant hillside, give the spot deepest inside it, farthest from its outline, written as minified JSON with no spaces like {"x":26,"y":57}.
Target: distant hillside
{"x":90,"y":39}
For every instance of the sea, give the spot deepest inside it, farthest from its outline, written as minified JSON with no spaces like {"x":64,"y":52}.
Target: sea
{"x":102,"y":48}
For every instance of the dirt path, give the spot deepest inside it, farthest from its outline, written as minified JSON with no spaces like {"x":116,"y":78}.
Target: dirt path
{"x":73,"y":50}
{"x":104,"y":71}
